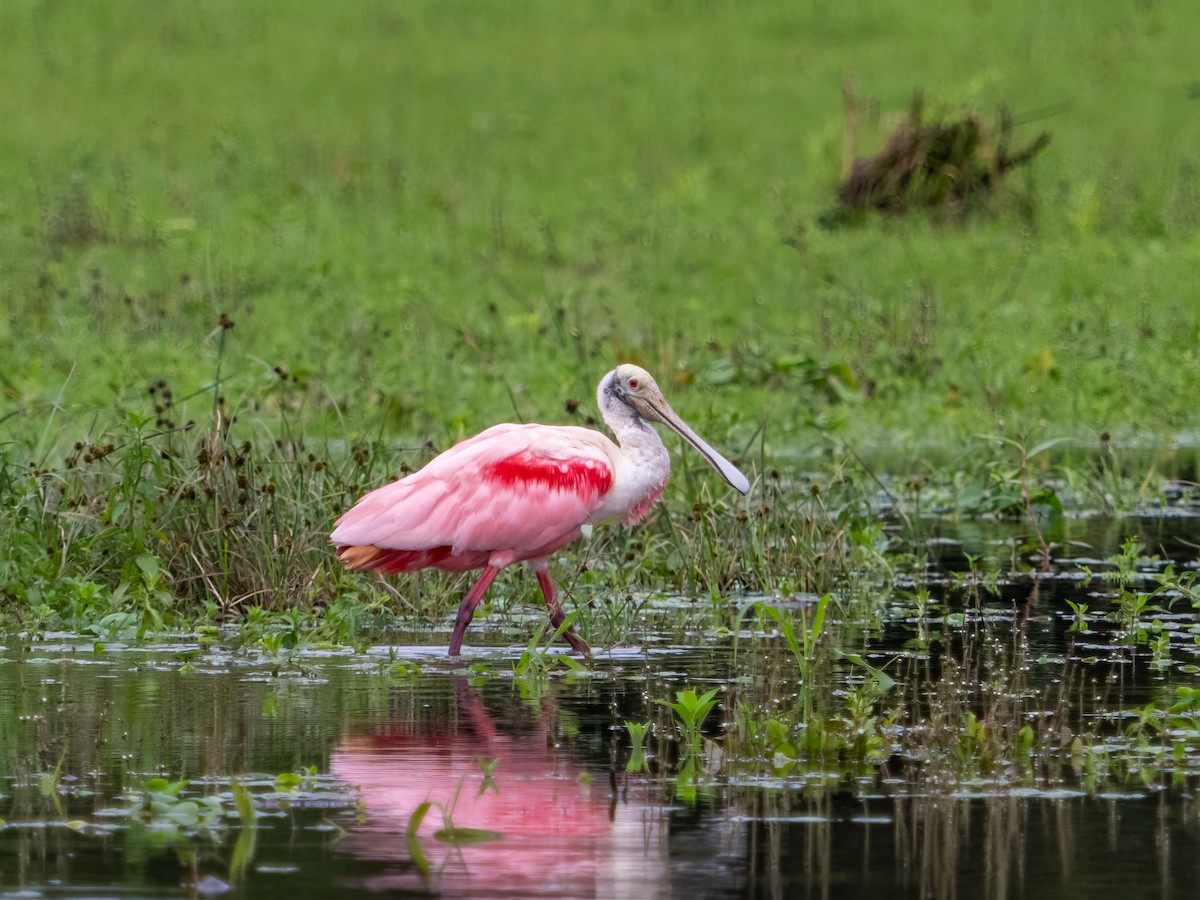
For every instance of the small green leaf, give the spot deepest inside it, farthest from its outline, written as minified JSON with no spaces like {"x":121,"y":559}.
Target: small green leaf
{"x":883,"y":681}
{"x":245,"y":804}
{"x":1044,"y":446}
{"x":1025,"y":738}
{"x":460,"y":836}
{"x":148,"y":564}
{"x":173,"y":788}
{"x":243,"y":852}
{"x":410,"y":837}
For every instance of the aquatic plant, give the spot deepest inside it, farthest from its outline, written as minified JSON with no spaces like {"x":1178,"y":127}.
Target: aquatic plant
{"x":1080,"y":611}
{"x":163,"y":806}
{"x":537,"y":662}
{"x":1127,"y":564}
{"x":804,"y":643}
{"x":637,"y":739}
{"x":691,"y":710}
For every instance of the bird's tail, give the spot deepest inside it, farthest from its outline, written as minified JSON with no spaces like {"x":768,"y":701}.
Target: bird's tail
{"x":359,"y":557}
{"x":389,"y":561}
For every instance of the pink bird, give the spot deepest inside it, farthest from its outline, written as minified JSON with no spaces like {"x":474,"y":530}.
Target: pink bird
{"x":518,"y":493}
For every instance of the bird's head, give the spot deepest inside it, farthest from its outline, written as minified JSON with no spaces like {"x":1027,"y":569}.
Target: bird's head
{"x":636,"y":388}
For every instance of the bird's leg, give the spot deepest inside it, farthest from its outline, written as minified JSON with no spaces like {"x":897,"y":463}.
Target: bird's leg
{"x":466,"y":609}
{"x":556,"y":614}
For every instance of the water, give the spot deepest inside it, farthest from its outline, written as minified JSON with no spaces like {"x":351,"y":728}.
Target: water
{"x":527,"y":780}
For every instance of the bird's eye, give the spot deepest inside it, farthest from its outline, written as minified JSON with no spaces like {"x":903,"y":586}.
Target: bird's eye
{"x":633,"y":383}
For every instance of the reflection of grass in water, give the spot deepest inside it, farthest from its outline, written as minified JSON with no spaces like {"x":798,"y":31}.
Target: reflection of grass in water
{"x":971,"y":711}
{"x":449,"y":833}
{"x":947,"y":719}
{"x":637,"y":740}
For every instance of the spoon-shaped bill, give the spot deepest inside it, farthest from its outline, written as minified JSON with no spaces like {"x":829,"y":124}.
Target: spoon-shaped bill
{"x":658,"y":410}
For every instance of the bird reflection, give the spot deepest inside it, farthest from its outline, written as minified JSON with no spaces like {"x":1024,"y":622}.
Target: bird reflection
{"x":509,"y":814}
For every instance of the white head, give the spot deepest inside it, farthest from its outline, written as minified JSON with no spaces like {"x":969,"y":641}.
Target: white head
{"x":635,"y":389}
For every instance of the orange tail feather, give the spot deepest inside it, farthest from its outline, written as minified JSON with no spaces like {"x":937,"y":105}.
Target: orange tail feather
{"x":359,"y":557}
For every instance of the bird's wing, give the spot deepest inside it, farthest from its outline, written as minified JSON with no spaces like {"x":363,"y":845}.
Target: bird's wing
{"x":511,"y":488}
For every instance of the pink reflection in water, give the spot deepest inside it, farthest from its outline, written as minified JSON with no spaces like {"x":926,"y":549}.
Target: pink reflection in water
{"x":560,"y":838}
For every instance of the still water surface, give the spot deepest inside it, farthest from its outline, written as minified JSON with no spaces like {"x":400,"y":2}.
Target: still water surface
{"x":527,"y":780}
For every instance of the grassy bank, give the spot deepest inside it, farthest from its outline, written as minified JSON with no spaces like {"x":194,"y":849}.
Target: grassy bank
{"x":424,"y":218}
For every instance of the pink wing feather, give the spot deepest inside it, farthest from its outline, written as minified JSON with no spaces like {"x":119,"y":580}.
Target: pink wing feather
{"x":512,"y":492}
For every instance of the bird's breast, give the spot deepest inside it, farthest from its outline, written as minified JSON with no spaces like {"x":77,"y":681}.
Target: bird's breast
{"x":639,"y":477}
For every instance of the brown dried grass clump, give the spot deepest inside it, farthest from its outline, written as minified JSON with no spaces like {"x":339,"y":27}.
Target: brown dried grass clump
{"x":944,"y":165}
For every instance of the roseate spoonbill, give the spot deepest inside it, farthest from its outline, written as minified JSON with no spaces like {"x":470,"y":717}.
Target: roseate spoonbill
{"x":520,"y":492}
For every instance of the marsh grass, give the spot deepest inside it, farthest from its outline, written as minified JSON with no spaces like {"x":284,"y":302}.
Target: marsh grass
{"x":229,"y":510}
{"x":215,"y":507}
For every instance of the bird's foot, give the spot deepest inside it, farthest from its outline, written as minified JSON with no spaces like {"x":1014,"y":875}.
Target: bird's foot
{"x":578,"y":644}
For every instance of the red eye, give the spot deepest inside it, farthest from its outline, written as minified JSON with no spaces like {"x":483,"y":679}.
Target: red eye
{"x":633,"y":383}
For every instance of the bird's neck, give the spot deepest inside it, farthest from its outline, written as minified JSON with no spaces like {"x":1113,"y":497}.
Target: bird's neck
{"x":637,"y":436}
{"x":632,"y":432}
{"x":642,"y":467}
{"x":640,"y":443}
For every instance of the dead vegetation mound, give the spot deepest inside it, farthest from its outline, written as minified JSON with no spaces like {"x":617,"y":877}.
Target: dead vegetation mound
{"x":944,"y":165}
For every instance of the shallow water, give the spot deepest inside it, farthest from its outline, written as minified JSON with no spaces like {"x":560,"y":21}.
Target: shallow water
{"x":527,"y":777}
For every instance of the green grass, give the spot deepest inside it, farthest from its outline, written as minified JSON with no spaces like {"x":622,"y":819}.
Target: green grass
{"x":430,"y":217}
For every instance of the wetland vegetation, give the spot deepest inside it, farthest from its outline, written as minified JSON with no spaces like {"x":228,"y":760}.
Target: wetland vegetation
{"x":252,"y":266}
